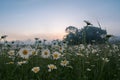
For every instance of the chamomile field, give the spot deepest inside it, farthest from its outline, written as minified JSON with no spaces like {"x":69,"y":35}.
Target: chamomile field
{"x":59,"y":39}
{"x":59,"y":61}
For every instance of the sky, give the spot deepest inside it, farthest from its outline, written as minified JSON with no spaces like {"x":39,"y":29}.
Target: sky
{"x":27,"y":19}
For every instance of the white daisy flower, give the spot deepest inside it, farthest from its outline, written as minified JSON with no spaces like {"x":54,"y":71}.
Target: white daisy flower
{"x":21,"y":62}
{"x":61,"y":49}
{"x":25,"y":53}
{"x":34,"y":52}
{"x":64,"y":63}
{"x":51,"y":67}
{"x":56,"y":55}
{"x":45,"y":53}
{"x":36,"y":69}
{"x":105,"y":59}
{"x":88,"y":69}
{"x":80,"y":54}
{"x":82,"y":46}
{"x":94,"y":51}
{"x":11,"y":53}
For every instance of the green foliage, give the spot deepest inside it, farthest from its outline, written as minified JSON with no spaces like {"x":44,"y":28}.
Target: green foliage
{"x":88,"y":34}
{"x":86,"y":62}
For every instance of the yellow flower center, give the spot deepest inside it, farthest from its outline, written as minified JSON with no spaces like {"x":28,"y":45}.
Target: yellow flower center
{"x":11,"y":53}
{"x":55,"y":55}
{"x":11,"y":62}
{"x":52,"y":67}
{"x":36,"y":70}
{"x":64,"y":62}
{"x":60,"y":48}
{"x":46,"y":53}
{"x":34,"y":52}
{"x":25,"y":52}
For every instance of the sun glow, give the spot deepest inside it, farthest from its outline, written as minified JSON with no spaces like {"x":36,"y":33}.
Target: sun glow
{"x":48,"y":36}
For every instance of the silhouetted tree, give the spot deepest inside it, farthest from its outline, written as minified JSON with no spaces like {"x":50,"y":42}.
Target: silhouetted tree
{"x":88,"y":34}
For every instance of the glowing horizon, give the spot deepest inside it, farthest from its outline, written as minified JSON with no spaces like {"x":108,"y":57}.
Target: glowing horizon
{"x":22,"y":37}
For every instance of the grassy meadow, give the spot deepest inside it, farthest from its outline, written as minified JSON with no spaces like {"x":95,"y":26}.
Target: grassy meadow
{"x":59,"y":61}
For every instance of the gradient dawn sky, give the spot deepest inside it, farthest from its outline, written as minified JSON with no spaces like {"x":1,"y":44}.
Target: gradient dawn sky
{"x":27,"y":19}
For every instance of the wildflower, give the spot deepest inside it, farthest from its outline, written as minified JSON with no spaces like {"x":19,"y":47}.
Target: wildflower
{"x":82,"y":46}
{"x":116,"y":48}
{"x":88,"y":69}
{"x":94,"y":51}
{"x":25,"y":53}
{"x":55,"y":44}
{"x":64,"y":63}
{"x":3,"y":37}
{"x":76,"y":47}
{"x":89,"y":46}
{"x":105,"y":59}
{"x":97,"y":54}
{"x":56,"y":55}
{"x":46,"y":53}
{"x":51,"y":67}
{"x":21,"y":62}
{"x":79,"y":54}
{"x":36,"y":39}
{"x":34,"y":52}
{"x":36,"y":69}
{"x":39,"y":47}
{"x":11,"y":52}
{"x":61,"y":49}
